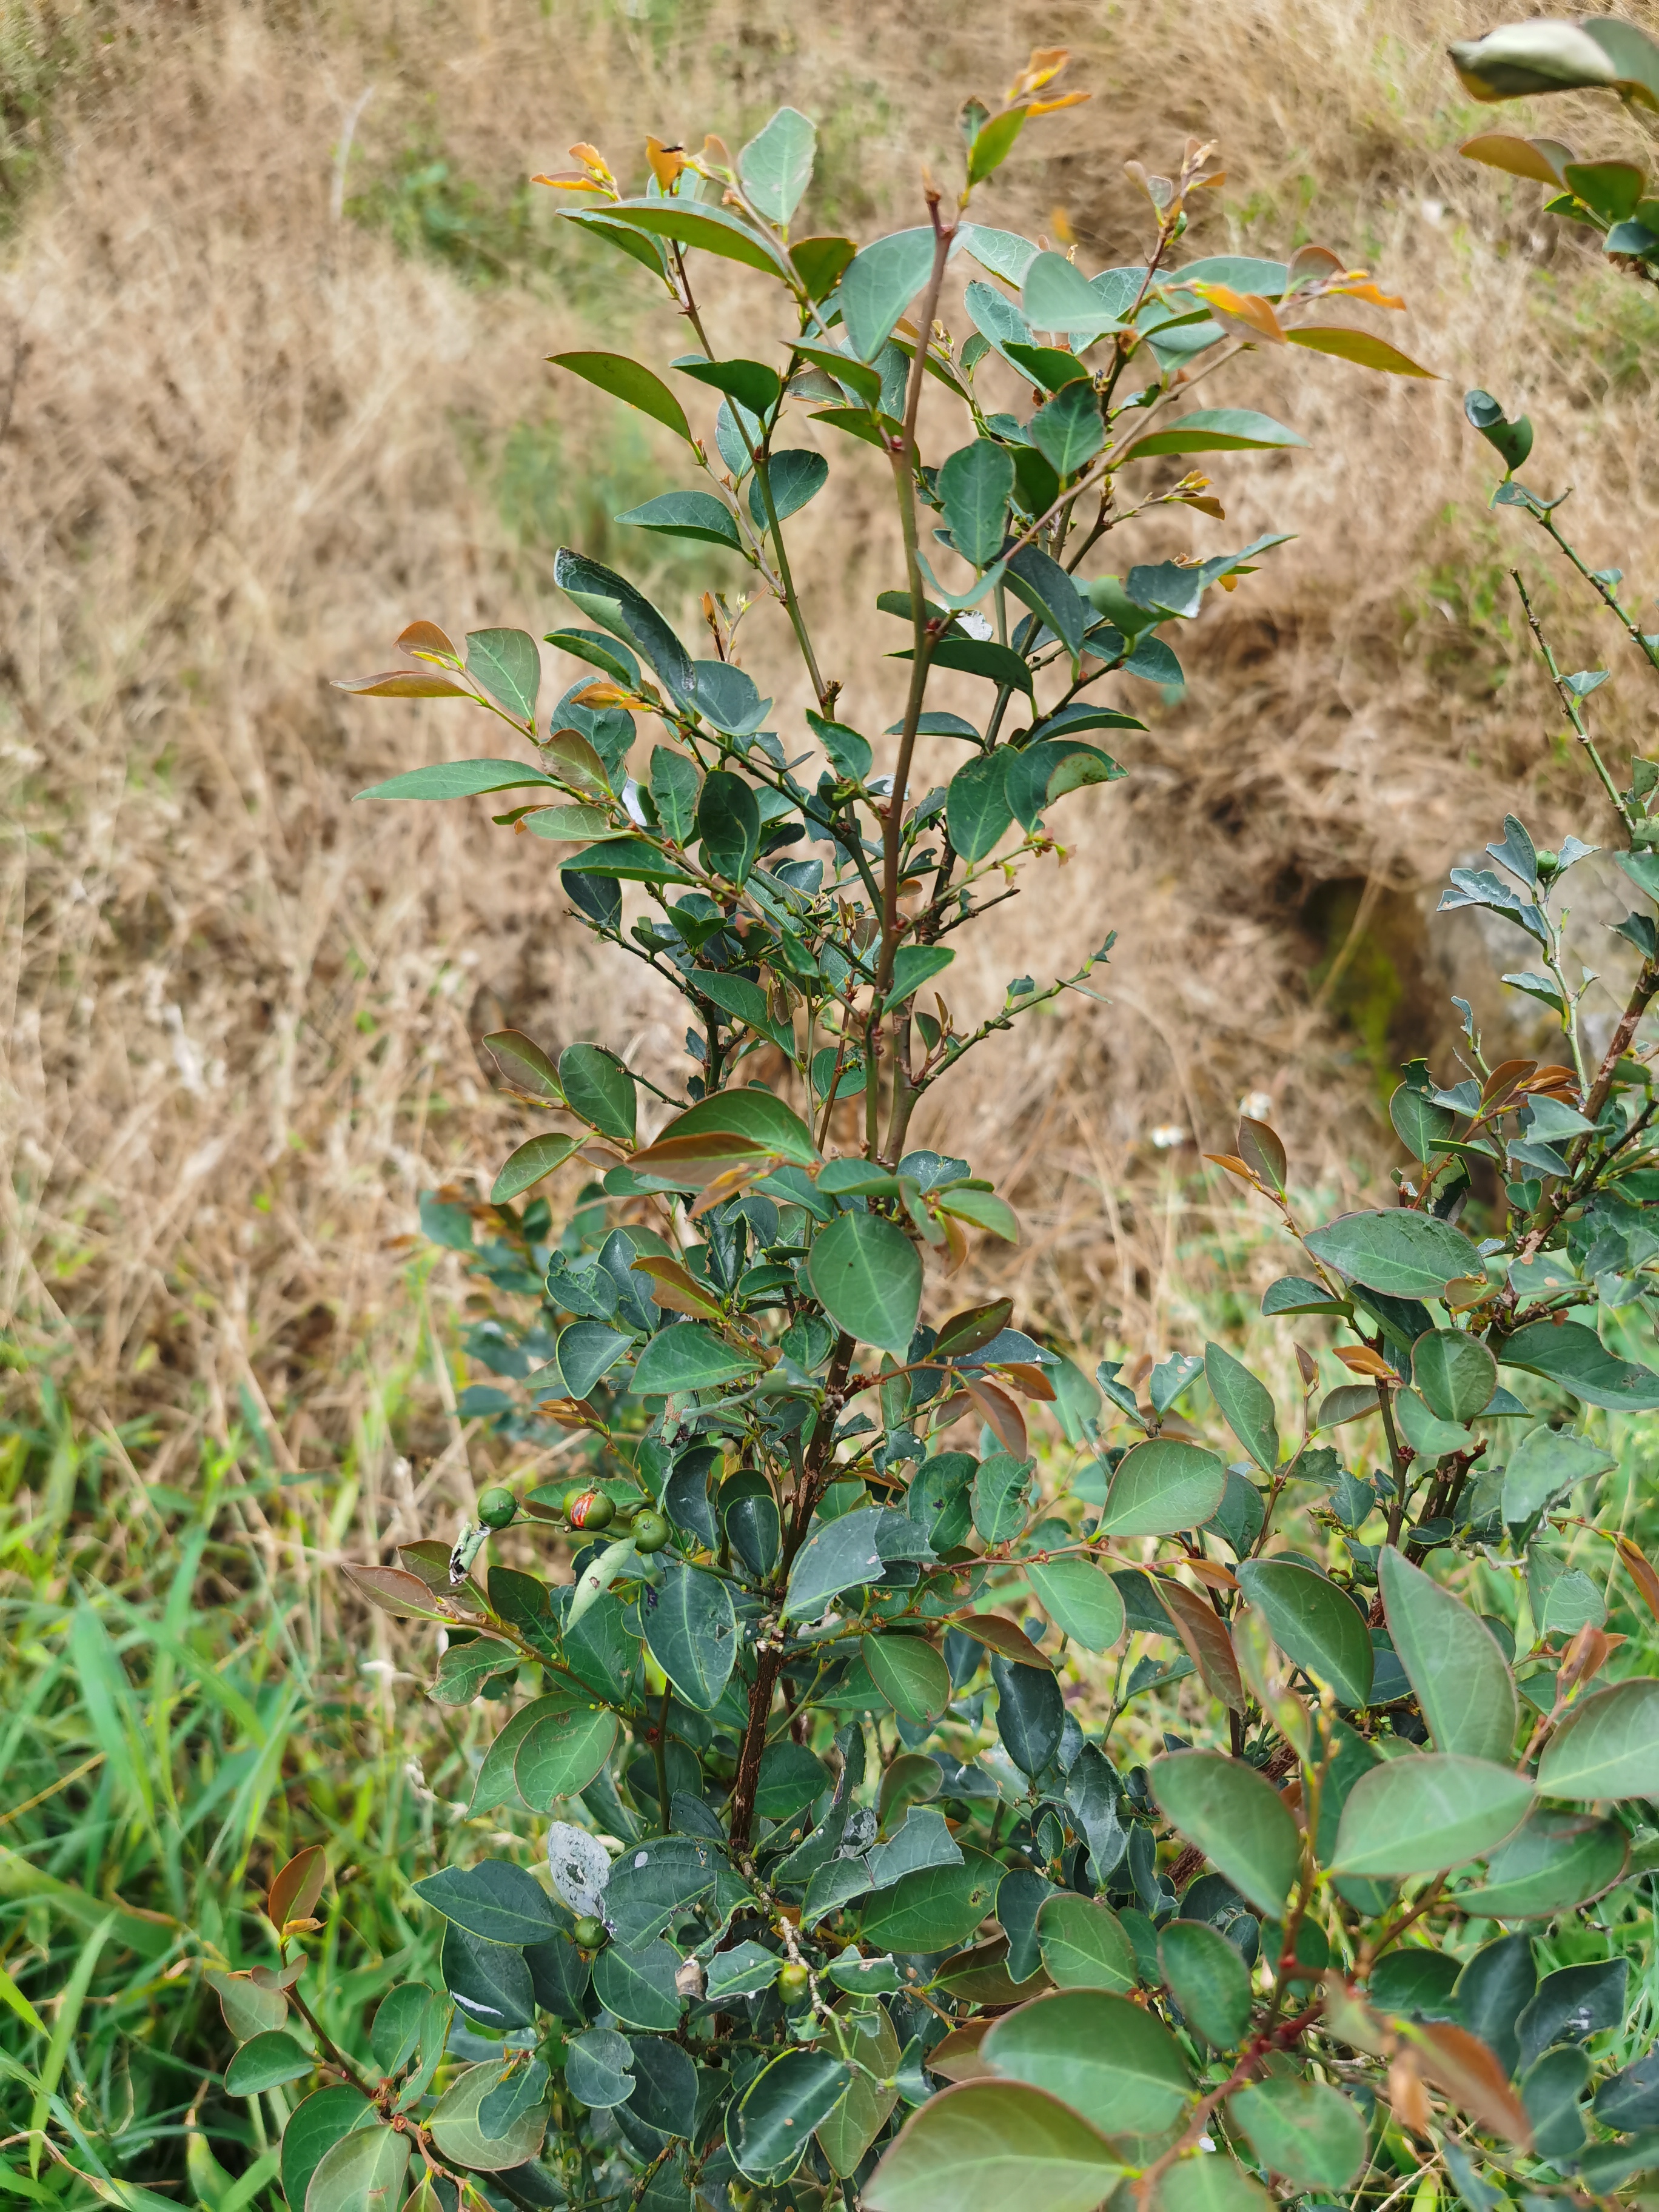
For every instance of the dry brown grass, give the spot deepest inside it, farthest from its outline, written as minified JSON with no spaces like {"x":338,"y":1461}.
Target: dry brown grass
{"x":245,"y":441}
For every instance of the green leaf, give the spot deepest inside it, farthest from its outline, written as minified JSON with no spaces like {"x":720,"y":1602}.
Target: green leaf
{"x":1306,"y":2131}
{"x":879,"y":285}
{"x":692,"y":1632}
{"x":1084,"y":1945}
{"x":841,"y":1554}
{"x":1215,"y":430}
{"x":1418,"y":1123}
{"x":1408,"y":1256}
{"x":1554,"y":1863}
{"x":1463,"y":1685}
{"x":934,"y":1908}
{"x":795,"y":477}
{"x":493,"y":1898}
{"x":863,"y":2108}
{"x":995,"y":2147}
{"x":1550,"y":2090}
{"x":637,"y":1983}
{"x":1207,"y":1977}
{"x":1210,"y":2182}
{"x":754,"y":387}
{"x":314,"y":2126}
{"x":867,"y":1274}
{"x":597,"y":2068}
{"x":915,"y":965}
{"x":1031,"y":1713}
{"x":506,"y":664}
{"x":1607,"y":1746}
{"x":1361,"y":347}
{"x":651,"y":1885}
{"x":979,"y":656}
{"x":1456,"y":1373}
{"x":695,"y":514}
{"x":586,"y":1351}
{"x":523,"y":1066}
{"x":1247,"y":1405}
{"x":599,"y":1091}
{"x":1236,"y":1818}
{"x":1161,"y":1487}
{"x":562,"y":1754}
{"x":703,"y":226}
{"x":466,"y":1667}
{"x":754,"y":1116}
{"x":1545,"y":1465}
{"x":729,"y":824}
{"x":1080,"y":1598}
{"x":629,"y":380}
{"x":490,"y":1982}
{"x":627,"y":860}
{"x":265,"y":2061}
{"x":458,"y":2128}
{"x":1426,"y":1814}
{"x":1056,"y":295}
{"x":530,"y":1163}
{"x":776,"y":165}
{"x":997,"y":1498}
{"x":1068,"y":431}
{"x":612,"y":602}
{"x":1314,"y":1624}
{"x":910,"y":1674}
{"x":1034,"y":577}
{"x":993,"y":144}
{"x":466,"y":778}
{"x":362,"y":2172}
{"x":767,"y":2129}
{"x":977,"y":807}
{"x":249,"y":2010}
{"x":687,"y":1357}
{"x":1101,"y":2053}
{"x":975,"y":486}
{"x":675,"y":783}
{"x":1576,"y":1358}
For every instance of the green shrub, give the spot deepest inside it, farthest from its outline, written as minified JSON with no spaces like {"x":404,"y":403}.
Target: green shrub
{"x":847,"y":1892}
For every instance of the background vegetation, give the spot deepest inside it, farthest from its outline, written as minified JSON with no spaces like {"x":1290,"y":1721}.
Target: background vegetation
{"x":273,"y":293}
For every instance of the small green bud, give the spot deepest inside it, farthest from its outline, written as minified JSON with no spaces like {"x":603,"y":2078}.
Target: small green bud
{"x":1548,"y":862}
{"x":588,"y":1932}
{"x":498,"y":1508}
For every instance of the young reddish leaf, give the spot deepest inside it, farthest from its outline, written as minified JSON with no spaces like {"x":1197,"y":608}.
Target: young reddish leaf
{"x":424,"y":637}
{"x":999,"y":1410}
{"x":400,"y":684}
{"x":297,"y":1888}
{"x":1471,"y":2076}
{"x":1204,"y":1632}
{"x":1360,"y":348}
{"x":1001,"y":1636}
{"x":1260,"y":1147}
{"x":972,"y":1329}
{"x":1641,"y":1572}
{"x":1519,"y":157}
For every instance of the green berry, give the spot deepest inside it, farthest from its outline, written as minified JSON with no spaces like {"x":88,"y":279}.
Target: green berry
{"x":792,"y":1983}
{"x":650,"y":1532}
{"x":498,"y":1508}
{"x":1548,"y":862}
{"x":590,"y":1509}
{"x":589,"y":1932}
